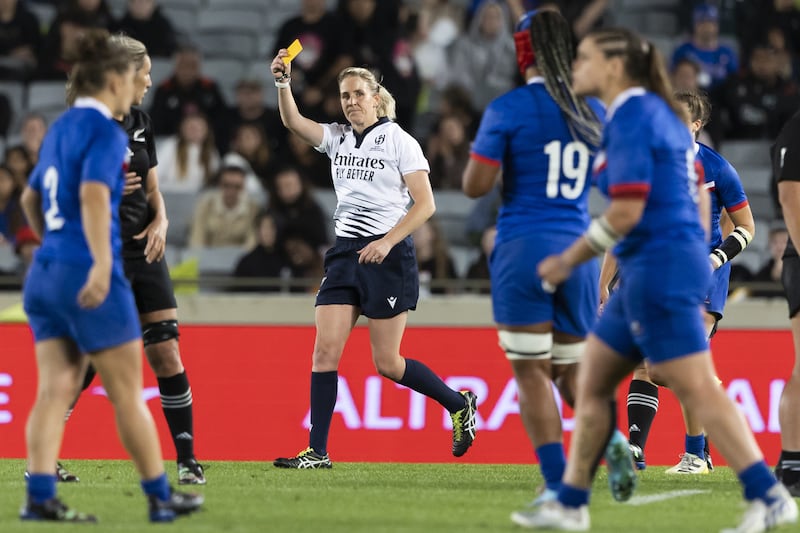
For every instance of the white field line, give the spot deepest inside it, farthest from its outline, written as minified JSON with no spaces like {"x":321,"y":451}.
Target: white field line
{"x":661,"y":496}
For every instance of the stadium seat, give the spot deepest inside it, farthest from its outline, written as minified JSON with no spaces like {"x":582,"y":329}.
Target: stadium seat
{"x":15,"y":92}
{"x":452,"y":210}
{"x":326,"y":198}
{"x":8,"y":259}
{"x":463,"y":257}
{"x":50,"y":113}
{"x":44,"y":12}
{"x":646,"y":4}
{"x":746,"y":153}
{"x":46,"y":94}
{"x":219,"y":260}
{"x":180,"y":209}
{"x":229,"y":19}
{"x":597,"y":202}
{"x":762,"y":205}
{"x":257,"y":5}
{"x":756,"y":179}
{"x":225,"y":43}
{"x":660,"y":23}
{"x":226,"y":72}
{"x":182,"y":17}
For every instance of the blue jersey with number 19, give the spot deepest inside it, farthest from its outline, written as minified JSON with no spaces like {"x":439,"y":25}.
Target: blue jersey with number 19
{"x":648,"y":153}
{"x":84,"y":144}
{"x":546,"y":172}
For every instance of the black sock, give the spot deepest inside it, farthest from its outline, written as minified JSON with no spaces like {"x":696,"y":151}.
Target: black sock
{"x":790,"y":467}
{"x":324,"y":387}
{"x":642,"y":407}
{"x":422,"y":379}
{"x":176,"y":401}
{"x":87,"y":380}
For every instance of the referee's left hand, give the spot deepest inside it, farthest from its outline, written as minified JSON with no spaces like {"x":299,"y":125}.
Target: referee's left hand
{"x":374,"y":252}
{"x":156,"y":234}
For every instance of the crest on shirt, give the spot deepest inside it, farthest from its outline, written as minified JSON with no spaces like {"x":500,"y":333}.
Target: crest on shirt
{"x":379,"y":139}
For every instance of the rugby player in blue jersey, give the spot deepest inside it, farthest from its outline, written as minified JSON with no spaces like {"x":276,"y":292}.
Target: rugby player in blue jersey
{"x":76,"y":296}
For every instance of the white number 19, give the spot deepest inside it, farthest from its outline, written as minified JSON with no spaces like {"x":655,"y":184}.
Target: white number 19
{"x":574,"y":168}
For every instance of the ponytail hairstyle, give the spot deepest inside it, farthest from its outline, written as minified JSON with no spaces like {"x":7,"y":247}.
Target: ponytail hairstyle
{"x":551,"y":51}
{"x":698,"y":103}
{"x":387,"y":106}
{"x":96,"y":54}
{"x":643,"y":62}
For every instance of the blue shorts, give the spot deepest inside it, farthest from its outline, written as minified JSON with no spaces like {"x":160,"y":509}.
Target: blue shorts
{"x":379,"y":290}
{"x":517,"y":295}
{"x":718,"y":293}
{"x":657,"y":311}
{"x":50,"y":299}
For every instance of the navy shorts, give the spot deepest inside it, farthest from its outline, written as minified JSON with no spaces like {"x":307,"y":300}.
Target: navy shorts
{"x":50,"y":299}
{"x":790,"y":277}
{"x":151,"y":284}
{"x":379,"y":290}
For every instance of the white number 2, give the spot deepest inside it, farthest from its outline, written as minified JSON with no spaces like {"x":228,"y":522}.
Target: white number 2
{"x":52,"y":217}
{"x":573,"y":162}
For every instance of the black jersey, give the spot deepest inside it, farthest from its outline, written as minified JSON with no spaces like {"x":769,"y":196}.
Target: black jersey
{"x":134,"y":212}
{"x":786,"y":161}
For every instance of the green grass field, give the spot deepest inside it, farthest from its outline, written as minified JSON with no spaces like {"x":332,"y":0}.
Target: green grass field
{"x":352,"y":497}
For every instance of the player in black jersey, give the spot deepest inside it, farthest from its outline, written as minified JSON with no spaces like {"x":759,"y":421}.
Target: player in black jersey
{"x":144,"y":229}
{"x":786,"y":169}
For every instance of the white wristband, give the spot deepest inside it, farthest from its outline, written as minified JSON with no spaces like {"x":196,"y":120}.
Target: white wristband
{"x":282,"y":84}
{"x":600,"y":235}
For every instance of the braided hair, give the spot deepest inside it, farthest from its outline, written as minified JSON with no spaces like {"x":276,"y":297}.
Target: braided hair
{"x":553,"y":50}
{"x":643,"y":63}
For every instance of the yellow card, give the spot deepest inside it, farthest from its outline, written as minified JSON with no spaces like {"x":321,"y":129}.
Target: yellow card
{"x":294,"y":49}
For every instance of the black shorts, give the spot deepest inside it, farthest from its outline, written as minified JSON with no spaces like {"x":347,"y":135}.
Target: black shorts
{"x":790,"y":277}
{"x":380,"y":290}
{"x":151,"y":284}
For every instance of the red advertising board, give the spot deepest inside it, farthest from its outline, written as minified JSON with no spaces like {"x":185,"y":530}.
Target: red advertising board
{"x":250,"y":387}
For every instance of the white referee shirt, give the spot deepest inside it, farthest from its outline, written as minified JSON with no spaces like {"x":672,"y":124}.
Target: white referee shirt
{"x":368,"y":175}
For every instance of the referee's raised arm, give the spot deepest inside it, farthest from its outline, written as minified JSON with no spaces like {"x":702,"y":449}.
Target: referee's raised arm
{"x":308,"y":130}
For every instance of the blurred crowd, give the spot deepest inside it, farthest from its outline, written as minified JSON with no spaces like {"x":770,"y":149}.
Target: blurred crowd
{"x":443,"y":61}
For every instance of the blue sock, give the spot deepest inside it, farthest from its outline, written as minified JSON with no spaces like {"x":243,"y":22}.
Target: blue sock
{"x":41,"y":487}
{"x":757,"y":480}
{"x":552,"y":462}
{"x":324,"y":387}
{"x":696,"y":445}
{"x":422,"y":379}
{"x":570,"y":496}
{"x":158,"y":486}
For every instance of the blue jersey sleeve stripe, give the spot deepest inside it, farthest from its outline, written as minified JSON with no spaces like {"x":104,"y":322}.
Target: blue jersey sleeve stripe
{"x":483,"y":159}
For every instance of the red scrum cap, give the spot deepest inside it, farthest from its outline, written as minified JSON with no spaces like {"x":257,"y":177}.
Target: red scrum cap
{"x":522,"y":40}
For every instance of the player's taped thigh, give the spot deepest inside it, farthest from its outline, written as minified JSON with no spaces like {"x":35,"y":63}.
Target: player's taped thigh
{"x":161,"y":331}
{"x":523,"y":346}
{"x":568,"y":354}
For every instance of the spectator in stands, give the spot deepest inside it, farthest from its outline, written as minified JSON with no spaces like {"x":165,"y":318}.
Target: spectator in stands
{"x":17,"y":161}
{"x":582,"y":15}
{"x":783,"y":14}
{"x":772,"y":269}
{"x":435,"y":27}
{"x":20,"y":40}
{"x":320,"y":62}
{"x":266,"y":259}
{"x":788,"y":60}
{"x":456,"y":101}
{"x":305,"y":261}
{"x":758,"y":102}
{"x":11,"y":216}
{"x":188,"y":159}
{"x":479,"y":269}
{"x":448,"y":153}
{"x":685,"y":75}
{"x":483,"y":60}
{"x":250,"y":109}
{"x":225,"y":215}
{"x":32,"y":131}
{"x":59,"y":44}
{"x":717,"y":62}
{"x":250,"y":142}
{"x":295,"y":210}
{"x":5,"y":114}
{"x":433,"y":259}
{"x":314,"y":167}
{"x":145,"y":22}
{"x":187,"y":91}
{"x":369,"y":39}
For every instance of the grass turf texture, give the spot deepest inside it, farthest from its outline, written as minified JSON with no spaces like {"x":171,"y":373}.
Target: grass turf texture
{"x":242,"y":496}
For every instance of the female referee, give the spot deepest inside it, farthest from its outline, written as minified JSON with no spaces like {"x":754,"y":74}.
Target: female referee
{"x":377,"y":169}
{"x":75,"y":295}
{"x":646,"y":167}
{"x":544,"y":137}
{"x":143,"y":220}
